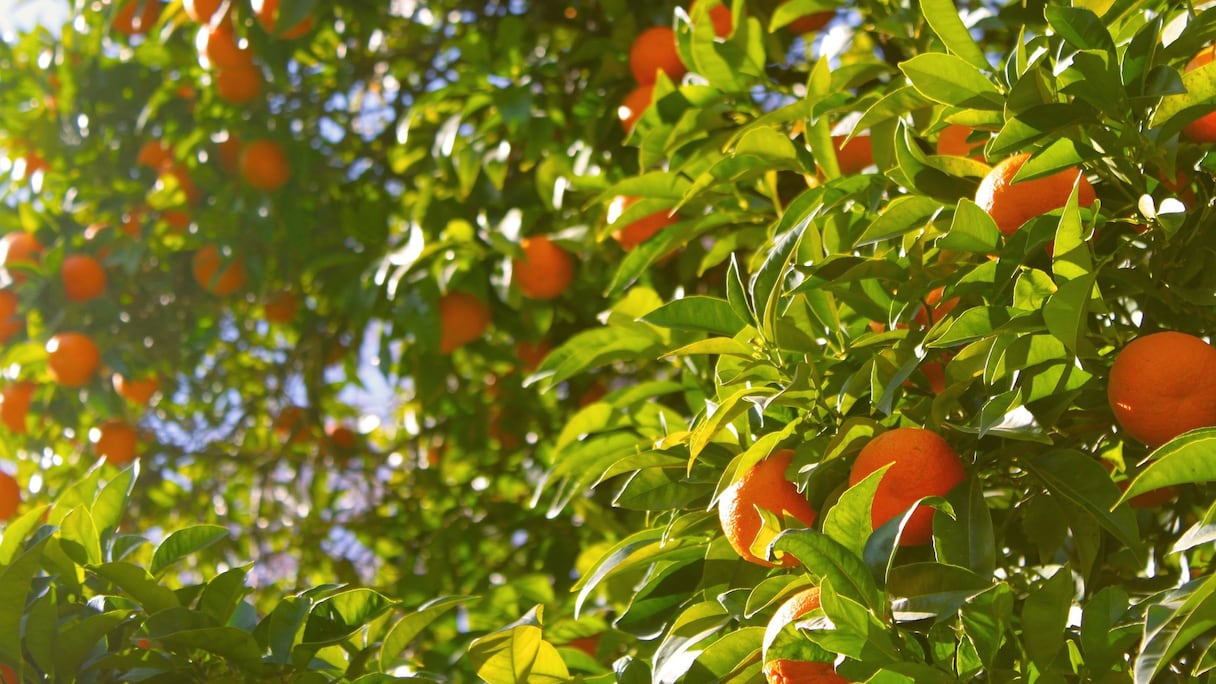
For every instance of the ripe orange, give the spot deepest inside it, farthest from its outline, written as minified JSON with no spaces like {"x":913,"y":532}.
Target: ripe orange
{"x":1012,"y":204}
{"x":341,"y":436}
{"x":765,"y":486}
{"x":1202,"y":129}
{"x":201,"y":10}
{"x":924,"y":464}
{"x":128,"y":23}
{"x":1162,"y":385}
{"x":267,"y":12}
{"x":936,"y":308}
{"x":206,"y":267}
{"x":218,"y":47}
{"x":136,"y":391}
{"x":531,"y":354}
{"x":545,"y":271}
{"x":720,"y":15}
{"x":238,"y":84}
{"x":854,"y":155}
{"x":639,"y":231}
{"x":291,"y":426}
{"x":177,"y":221}
{"x":264,"y":165}
{"x":782,"y":671}
{"x":83,"y":278}
{"x":73,"y":358}
{"x":10,"y":322}
{"x":634,"y":105}
{"x":154,"y":154}
{"x":115,"y":441}
{"x":17,"y":248}
{"x":228,"y":153}
{"x":15,"y":405}
{"x":811,"y":22}
{"x":587,"y":644}
{"x":952,"y":141}
{"x":10,"y":499}
{"x":654,"y":50}
{"x":462,"y":319}
{"x":280,"y":307}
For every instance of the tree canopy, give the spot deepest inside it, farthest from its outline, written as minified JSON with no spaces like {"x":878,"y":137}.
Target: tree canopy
{"x":539,"y":341}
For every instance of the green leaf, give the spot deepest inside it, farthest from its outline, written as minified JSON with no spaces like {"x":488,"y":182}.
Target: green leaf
{"x":411,"y":625}
{"x":825,"y":558}
{"x":972,"y":230}
{"x":16,"y":581}
{"x":519,"y":655}
{"x":77,"y":638}
{"x":223,"y":593}
{"x":934,"y":590}
{"x":1081,"y":28}
{"x":1172,"y":624}
{"x":334,"y":618}
{"x":766,"y":284}
{"x":135,"y":582}
{"x":1107,"y":630}
{"x":234,"y":645}
{"x":849,"y":521}
{"x":16,"y":530}
{"x":901,"y":216}
{"x":1045,"y":615}
{"x":968,"y":540}
{"x":952,"y":80}
{"x":111,"y":503}
{"x":1186,"y":458}
{"x":1079,"y":479}
{"x":182,"y":543}
{"x":1066,"y":313}
{"x":79,"y":536}
{"x":699,"y":314}
{"x":724,"y":655}
{"x":944,"y":18}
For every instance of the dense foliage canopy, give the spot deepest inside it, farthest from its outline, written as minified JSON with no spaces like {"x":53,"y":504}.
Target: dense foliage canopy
{"x":450,"y":341}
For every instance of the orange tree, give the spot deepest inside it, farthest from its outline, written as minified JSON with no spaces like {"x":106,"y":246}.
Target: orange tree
{"x":558,"y":335}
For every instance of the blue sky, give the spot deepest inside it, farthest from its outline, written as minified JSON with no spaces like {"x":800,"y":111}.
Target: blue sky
{"x":22,"y":14}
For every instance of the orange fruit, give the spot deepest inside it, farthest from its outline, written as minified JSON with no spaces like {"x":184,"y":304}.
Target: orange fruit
{"x":154,"y":154}
{"x":764,"y":486}
{"x":238,"y":84}
{"x":131,"y":223}
{"x":207,"y":273}
{"x":924,"y":464}
{"x":136,"y":391}
{"x":264,"y":165}
{"x":854,"y":155}
{"x":935,"y":374}
{"x":721,"y":17}
{"x":15,"y":405}
{"x":291,"y":426}
{"x":267,"y":12}
{"x":810,"y":23}
{"x":952,"y":141}
{"x":201,"y":10}
{"x":1202,"y":129}
{"x":531,"y":354}
{"x":545,"y":271}
{"x":228,"y":153}
{"x":934,"y":309}
{"x":127,"y":22}
{"x":218,"y":47}
{"x":587,"y":644}
{"x":281,"y":306}
{"x":10,"y":499}
{"x":83,"y":278}
{"x":782,"y":671}
{"x":1012,"y":204}
{"x":73,"y":358}
{"x":10,"y":322}
{"x":1162,"y":385}
{"x":639,"y":231}
{"x":341,"y":436}
{"x":634,"y":105}
{"x":462,"y":319}
{"x":19,"y":248}
{"x":115,"y":441}
{"x":652,"y":51}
